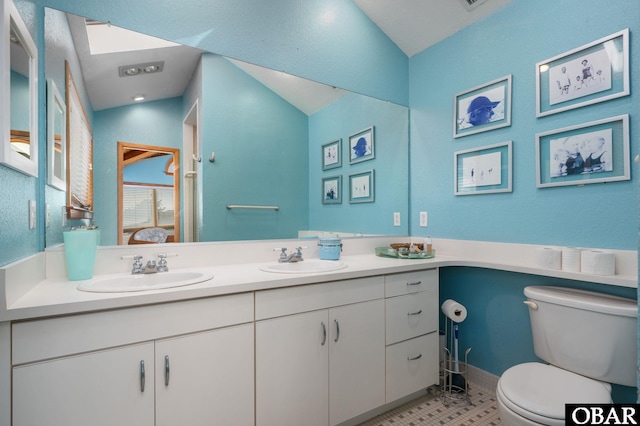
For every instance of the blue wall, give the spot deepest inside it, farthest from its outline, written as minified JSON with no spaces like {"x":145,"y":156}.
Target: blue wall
{"x":330,"y":41}
{"x":347,"y":116}
{"x":151,"y":123}
{"x":497,"y":327}
{"x":253,"y":133}
{"x":512,"y":41}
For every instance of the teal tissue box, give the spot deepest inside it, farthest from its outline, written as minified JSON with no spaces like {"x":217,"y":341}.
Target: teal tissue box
{"x":80,"y":252}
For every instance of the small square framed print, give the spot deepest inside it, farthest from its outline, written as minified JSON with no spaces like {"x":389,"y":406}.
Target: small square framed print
{"x":332,"y":155}
{"x":362,"y":187}
{"x":361,"y":146}
{"x":332,"y":190}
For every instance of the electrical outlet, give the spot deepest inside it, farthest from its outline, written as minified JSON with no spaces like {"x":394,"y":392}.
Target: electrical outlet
{"x":396,"y":219}
{"x":32,"y":214}
{"x":424,"y":219}
{"x":47,"y":209}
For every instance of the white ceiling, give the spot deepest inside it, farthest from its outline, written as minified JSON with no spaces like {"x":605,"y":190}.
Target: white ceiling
{"x":413,"y":25}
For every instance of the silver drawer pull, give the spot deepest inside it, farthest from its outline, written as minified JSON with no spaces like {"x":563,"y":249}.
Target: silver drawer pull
{"x":142,"y":376}
{"x":413,"y":358}
{"x":167,"y":370}
{"x":414,"y":283}
{"x":415,"y":313}
{"x":324,"y":333}
{"x":337,"y":330}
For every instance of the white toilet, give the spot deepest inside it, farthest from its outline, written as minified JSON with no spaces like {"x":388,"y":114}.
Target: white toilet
{"x":588,"y":339}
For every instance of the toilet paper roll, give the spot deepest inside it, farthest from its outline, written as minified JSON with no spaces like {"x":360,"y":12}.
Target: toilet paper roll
{"x":549,"y":257}
{"x":571,"y":259}
{"x":598,"y":262}
{"x":454,"y":310}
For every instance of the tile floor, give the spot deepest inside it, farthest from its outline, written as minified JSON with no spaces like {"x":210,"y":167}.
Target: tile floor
{"x":430,"y":410}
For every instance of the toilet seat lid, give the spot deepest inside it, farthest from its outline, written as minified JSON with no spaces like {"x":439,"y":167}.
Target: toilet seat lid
{"x":544,"y":390}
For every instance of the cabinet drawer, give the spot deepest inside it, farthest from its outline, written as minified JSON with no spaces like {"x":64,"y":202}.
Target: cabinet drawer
{"x":62,"y":336}
{"x":411,"y":315}
{"x":411,"y":366}
{"x":292,"y":300}
{"x":410,"y":282}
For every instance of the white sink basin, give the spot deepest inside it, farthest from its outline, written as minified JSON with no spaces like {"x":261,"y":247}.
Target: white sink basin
{"x":305,"y":267}
{"x":142,"y":282}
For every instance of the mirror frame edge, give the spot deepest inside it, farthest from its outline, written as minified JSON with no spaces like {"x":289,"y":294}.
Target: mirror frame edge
{"x":55,"y":98}
{"x":8,"y":156}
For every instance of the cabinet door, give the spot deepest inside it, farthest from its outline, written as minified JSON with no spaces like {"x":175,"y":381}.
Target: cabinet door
{"x":206,"y":378}
{"x":100,"y":388}
{"x":292,"y":370}
{"x":356,"y":359}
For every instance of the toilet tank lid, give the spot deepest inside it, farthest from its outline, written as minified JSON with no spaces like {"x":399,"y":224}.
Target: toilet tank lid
{"x":582,"y":299}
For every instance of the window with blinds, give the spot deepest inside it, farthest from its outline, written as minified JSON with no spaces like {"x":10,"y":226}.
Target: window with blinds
{"x":146,"y":206}
{"x":79,"y":152}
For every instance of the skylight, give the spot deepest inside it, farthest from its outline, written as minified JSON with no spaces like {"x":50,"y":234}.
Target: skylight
{"x":107,"y":38}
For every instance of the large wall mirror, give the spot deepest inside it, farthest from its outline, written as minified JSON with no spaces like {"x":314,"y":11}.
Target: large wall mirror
{"x":18,"y":94}
{"x":247,"y":136}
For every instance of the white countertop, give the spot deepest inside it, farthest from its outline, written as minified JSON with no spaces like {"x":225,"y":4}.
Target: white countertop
{"x":49,"y":296}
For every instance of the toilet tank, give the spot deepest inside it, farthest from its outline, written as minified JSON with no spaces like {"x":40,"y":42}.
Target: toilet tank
{"x":591,"y":334}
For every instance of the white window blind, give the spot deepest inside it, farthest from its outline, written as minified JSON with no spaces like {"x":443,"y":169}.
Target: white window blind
{"x":79,"y":150}
{"x":145,"y":206}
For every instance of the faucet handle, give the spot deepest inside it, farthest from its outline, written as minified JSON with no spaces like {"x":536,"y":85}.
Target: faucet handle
{"x":162,"y":263}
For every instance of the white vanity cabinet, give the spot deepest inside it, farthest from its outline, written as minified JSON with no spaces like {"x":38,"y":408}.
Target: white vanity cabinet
{"x":320,"y":352}
{"x":177,"y":363}
{"x":112,"y":387}
{"x":412,"y":308}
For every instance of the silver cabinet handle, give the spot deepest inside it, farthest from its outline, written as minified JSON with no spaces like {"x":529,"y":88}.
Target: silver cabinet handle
{"x":324,"y":333}
{"x":414,"y":283}
{"x":413,"y":358}
{"x":166,"y":370}
{"x":142,"y":376}
{"x":415,"y":313}
{"x":337,"y":330}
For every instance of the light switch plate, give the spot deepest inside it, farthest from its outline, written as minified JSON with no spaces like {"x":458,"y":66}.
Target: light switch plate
{"x":396,"y":219}
{"x":424,"y":219}
{"x":32,"y":214}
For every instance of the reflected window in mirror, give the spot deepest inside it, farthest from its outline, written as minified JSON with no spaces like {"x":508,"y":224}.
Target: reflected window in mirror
{"x":79,"y":153}
{"x":18,"y":94}
{"x":56,"y":137}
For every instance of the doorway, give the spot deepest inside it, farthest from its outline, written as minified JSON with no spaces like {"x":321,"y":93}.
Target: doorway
{"x":148,"y":190}
{"x":192,"y":179}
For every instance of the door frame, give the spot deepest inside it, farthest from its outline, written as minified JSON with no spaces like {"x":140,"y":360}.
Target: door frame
{"x":122,"y":146}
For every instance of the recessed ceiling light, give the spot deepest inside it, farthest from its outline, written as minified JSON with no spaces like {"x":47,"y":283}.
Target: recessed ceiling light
{"x":132,"y":71}
{"x":140,"y":69}
{"x":138,"y":98}
{"x":151,"y":68}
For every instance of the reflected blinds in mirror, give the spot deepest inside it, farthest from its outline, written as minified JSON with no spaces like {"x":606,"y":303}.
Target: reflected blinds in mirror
{"x":79,"y":152}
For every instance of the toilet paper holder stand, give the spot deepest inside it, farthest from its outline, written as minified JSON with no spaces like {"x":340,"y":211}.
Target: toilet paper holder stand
{"x":454,"y":383}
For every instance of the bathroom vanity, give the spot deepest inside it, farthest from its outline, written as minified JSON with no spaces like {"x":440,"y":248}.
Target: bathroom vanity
{"x":320,"y":356}
{"x":245,"y":347}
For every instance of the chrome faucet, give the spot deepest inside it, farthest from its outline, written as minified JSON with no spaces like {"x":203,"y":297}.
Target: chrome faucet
{"x":137,"y":268}
{"x":151,"y":267}
{"x":290,"y":257}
